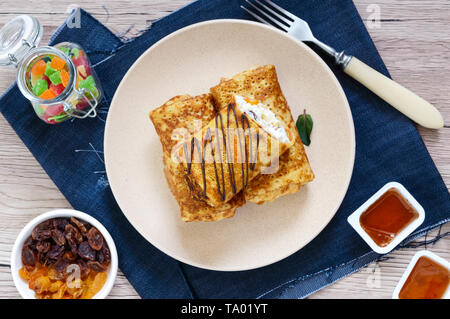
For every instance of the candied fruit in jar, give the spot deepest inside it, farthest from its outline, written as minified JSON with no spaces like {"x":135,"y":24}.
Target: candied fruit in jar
{"x":55,"y":78}
{"x":65,"y":77}
{"x":47,"y":95}
{"x":49,"y":77}
{"x":65,"y":63}
{"x":57,"y":63}
{"x":38,"y":68}
{"x":40,"y":87}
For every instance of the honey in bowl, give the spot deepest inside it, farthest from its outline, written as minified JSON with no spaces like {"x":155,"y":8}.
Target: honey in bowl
{"x":387,"y":217}
{"x":427,"y":280}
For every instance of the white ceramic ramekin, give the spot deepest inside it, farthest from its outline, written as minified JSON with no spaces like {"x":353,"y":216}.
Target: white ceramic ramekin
{"x":16,"y":255}
{"x":411,"y":265}
{"x":353,"y":219}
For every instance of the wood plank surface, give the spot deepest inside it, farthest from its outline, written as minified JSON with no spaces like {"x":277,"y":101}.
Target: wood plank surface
{"x":413,"y":38}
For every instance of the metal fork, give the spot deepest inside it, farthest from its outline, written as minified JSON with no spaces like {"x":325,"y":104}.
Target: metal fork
{"x":393,"y":93}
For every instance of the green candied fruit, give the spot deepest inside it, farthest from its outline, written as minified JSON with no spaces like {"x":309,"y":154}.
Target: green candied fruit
{"x":64,"y":49}
{"x":59,"y":118}
{"x":49,"y":70}
{"x":40,"y":87}
{"x":75,"y":52}
{"x":89,"y":84}
{"x":94,"y":91}
{"x":39,"y":110}
{"x":90,"y":81}
{"x":55,"y":77}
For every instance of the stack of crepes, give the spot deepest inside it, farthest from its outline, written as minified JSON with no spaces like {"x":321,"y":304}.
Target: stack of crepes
{"x":238,"y":143}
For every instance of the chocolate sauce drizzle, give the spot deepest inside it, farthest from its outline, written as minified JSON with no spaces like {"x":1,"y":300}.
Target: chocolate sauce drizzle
{"x":250,"y":157}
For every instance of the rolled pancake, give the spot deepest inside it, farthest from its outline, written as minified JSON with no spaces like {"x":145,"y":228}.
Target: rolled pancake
{"x":261,"y":83}
{"x":187,"y":113}
{"x":241,"y":141}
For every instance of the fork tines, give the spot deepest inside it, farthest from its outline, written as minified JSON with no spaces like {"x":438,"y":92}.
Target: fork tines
{"x":268,"y":10}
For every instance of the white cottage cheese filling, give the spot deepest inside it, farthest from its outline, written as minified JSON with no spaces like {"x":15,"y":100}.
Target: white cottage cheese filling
{"x":263,"y":116}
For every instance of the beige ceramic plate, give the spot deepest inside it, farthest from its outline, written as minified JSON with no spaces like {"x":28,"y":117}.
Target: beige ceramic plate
{"x":192,"y":60}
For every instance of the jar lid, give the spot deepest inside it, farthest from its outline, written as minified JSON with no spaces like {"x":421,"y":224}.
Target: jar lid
{"x":17,"y":37}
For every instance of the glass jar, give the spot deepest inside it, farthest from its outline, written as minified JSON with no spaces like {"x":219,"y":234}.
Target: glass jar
{"x":58,"y":80}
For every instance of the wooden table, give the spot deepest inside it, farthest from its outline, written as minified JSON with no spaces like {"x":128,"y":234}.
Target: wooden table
{"x":413,"y":38}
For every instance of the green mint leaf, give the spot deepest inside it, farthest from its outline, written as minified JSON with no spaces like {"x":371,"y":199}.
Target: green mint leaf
{"x":304,"y":127}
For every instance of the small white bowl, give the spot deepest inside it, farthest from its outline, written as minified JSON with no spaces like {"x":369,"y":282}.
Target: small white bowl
{"x":411,"y":265}
{"x":353,"y":219}
{"x":16,"y":255}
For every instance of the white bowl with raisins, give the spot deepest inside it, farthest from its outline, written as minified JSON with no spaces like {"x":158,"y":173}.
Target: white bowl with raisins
{"x":70,"y":249}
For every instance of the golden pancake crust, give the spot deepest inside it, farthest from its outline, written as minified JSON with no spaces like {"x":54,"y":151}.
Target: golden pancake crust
{"x":181,"y":112}
{"x":230,"y":171}
{"x":261,"y":83}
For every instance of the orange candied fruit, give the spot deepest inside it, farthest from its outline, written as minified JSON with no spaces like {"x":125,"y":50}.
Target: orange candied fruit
{"x":96,"y":282}
{"x":57,"y":63}
{"x":38,"y":68}
{"x":64,"y":77}
{"x":40,"y":284}
{"x":47,"y":95}
{"x":24,"y":274}
{"x":46,"y":284}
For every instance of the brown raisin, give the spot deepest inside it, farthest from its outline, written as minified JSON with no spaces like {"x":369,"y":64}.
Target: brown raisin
{"x":28,"y":256}
{"x":55,"y":252}
{"x":84,"y":269}
{"x":101,"y":257}
{"x":58,"y":237}
{"x":42,"y":231}
{"x":60,"y":223}
{"x":43,"y":246}
{"x":69,"y":256}
{"x":28,"y":242}
{"x":71,"y":240}
{"x":104,"y":255}
{"x":96,"y":266}
{"x":41,"y":234}
{"x":74,"y":249}
{"x":74,"y":232}
{"x":42,"y":258}
{"x":85,"y":251}
{"x":60,"y":265}
{"x":95,"y":239}
{"x":81,"y":226}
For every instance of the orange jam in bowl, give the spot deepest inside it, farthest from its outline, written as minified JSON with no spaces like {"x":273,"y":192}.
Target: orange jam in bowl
{"x":427,"y":280}
{"x":387,"y":217}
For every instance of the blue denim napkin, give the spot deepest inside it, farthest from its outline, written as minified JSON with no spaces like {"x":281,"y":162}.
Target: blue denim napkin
{"x":388,"y":148}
